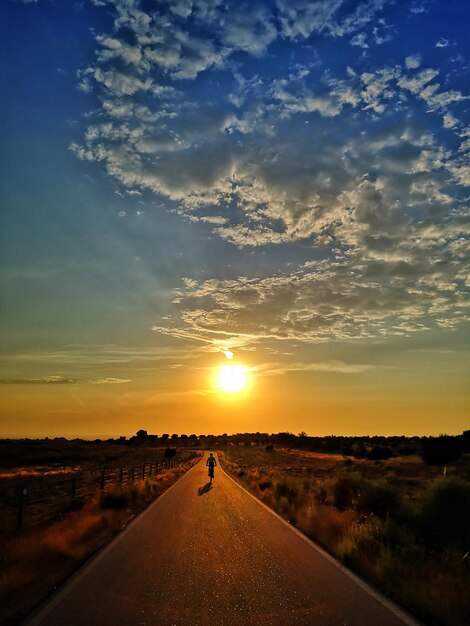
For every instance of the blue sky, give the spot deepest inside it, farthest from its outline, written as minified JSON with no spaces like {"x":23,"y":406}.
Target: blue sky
{"x":287,"y":180}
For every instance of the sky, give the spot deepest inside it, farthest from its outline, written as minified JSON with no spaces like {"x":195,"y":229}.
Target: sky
{"x":280,"y":185}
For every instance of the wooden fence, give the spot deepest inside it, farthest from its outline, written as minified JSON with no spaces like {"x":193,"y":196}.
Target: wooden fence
{"x":28,"y":502}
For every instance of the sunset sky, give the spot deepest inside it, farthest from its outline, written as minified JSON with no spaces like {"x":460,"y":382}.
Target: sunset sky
{"x":282,"y":182}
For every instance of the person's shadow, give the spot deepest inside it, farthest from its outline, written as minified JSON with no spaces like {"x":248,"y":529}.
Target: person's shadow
{"x":202,"y":490}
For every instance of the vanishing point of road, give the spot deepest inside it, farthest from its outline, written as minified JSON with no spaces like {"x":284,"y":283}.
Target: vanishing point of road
{"x":205,"y":554}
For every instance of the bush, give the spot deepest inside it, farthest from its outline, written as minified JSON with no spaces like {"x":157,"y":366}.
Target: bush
{"x":284,"y":490}
{"x":359,"y":452}
{"x":265,"y":484}
{"x":379,"y":453}
{"x":407,"y":449}
{"x":269,"y":447}
{"x":380,"y":498}
{"x":114,"y":500}
{"x":241,"y":473}
{"x":169,"y":453}
{"x":346,"y":490}
{"x":446,"y":513}
{"x":440,"y":450}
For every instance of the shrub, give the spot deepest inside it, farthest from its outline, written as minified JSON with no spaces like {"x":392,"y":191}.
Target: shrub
{"x":379,"y":498}
{"x":359,"y":452}
{"x":284,"y":489}
{"x":407,"y":449}
{"x":446,"y":513}
{"x":169,"y":453}
{"x":269,"y":447}
{"x":440,"y":450}
{"x":114,"y":500}
{"x":241,"y":473}
{"x":265,"y":483}
{"x":379,"y":453}
{"x":346,"y":490}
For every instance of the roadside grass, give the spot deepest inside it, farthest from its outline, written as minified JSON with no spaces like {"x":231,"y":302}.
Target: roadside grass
{"x":408,"y":542}
{"x":34,"y":563}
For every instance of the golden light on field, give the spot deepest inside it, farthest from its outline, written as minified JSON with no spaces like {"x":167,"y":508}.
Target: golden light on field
{"x":232,"y":378}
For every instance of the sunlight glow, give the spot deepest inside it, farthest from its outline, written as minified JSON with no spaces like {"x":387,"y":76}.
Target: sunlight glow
{"x":231,"y":378}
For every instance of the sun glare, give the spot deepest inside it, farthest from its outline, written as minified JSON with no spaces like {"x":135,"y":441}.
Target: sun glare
{"x":231,"y":378}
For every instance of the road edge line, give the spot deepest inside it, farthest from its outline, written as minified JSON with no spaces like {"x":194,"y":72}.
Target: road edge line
{"x":388,"y":603}
{"x":43,"y":610}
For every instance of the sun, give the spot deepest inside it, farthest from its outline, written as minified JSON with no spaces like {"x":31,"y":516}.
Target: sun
{"x":232,"y":378}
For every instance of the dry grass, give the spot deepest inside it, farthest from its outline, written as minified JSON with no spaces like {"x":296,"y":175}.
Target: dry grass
{"x":395,"y":522}
{"x":36,"y":562}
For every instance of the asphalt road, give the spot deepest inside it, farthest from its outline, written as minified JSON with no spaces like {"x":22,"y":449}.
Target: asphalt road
{"x":205,"y":554}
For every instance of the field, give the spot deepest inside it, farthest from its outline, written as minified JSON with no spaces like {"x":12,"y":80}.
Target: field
{"x":399,"y":523}
{"x":35,"y":559}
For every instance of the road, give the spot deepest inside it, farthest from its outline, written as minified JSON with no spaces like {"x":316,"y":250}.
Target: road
{"x":205,"y":554}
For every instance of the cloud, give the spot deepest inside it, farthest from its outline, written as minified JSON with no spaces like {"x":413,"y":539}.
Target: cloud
{"x":300,"y":18}
{"x":442,"y":43}
{"x":450,"y":121}
{"x":59,"y":380}
{"x":360,"y":40}
{"x":413,"y":61}
{"x":352,"y":163}
{"x":336,"y":367}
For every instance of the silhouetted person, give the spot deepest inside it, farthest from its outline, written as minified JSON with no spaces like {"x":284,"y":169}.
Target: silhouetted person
{"x":211,"y":463}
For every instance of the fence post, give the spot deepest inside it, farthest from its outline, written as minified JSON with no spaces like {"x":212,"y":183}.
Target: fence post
{"x":102,"y":479}
{"x":22,"y":491}
{"x":150,"y":471}
{"x":120,"y":475}
{"x":143,"y":471}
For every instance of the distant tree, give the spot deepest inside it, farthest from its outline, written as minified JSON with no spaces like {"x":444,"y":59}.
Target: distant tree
{"x":141,"y":434}
{"x":174,"y":437}
{"x":165,"y":436}
{"x":379,"y":453}
{"x":441,"y":450}
{"x":466,"y":441}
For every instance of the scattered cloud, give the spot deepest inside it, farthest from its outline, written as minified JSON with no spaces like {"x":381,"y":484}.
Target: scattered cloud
{"x":352,"y":162}
{"x":60,"y":380}
{"x":337,"y":367}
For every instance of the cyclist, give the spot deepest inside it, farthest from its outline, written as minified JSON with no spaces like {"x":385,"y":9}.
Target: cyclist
{"x":211,"y":463}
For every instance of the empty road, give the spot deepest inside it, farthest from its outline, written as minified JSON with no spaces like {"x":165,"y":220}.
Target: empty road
{"x":213,"y":555}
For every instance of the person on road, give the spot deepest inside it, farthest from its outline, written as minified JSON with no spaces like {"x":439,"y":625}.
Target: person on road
{"x":211,"y":463}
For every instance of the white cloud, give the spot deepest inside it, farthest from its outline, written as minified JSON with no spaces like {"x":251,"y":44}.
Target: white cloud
{"x":337,"y":367}
{"x":450,"y":121}
{"x":360,"y":40}
{"x":442,"y":43}
{"x":61,"y":380}
{"x":413,"y":61}
{"x":352,"y":164}
{"x":301,"y":18}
